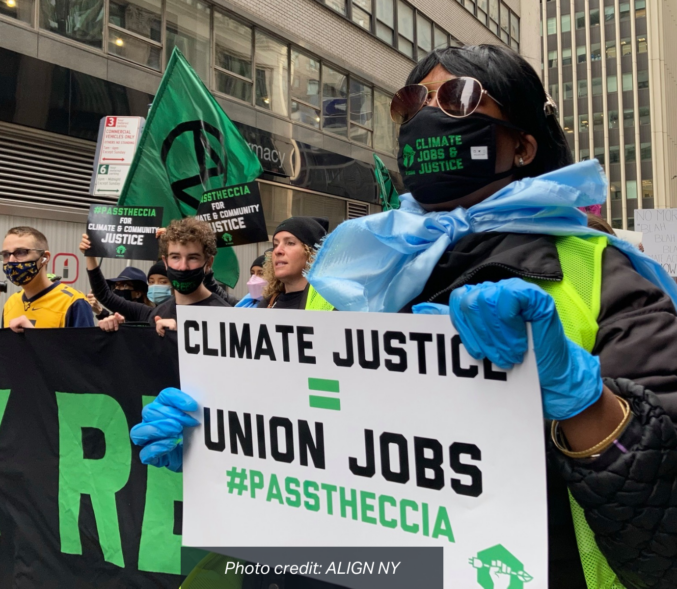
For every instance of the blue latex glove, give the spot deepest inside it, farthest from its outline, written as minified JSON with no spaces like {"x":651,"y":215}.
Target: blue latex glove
{"x":491,"y":320}
{"x":161,"y":431}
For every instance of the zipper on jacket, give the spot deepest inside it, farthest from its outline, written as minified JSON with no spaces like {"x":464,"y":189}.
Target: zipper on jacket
{"x":517,"y":273}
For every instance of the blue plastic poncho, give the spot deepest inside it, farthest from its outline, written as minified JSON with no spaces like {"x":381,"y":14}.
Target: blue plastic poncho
{"x":381,"y":262}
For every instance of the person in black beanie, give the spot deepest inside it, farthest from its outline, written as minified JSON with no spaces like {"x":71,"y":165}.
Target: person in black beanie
{"x":294,"y":245}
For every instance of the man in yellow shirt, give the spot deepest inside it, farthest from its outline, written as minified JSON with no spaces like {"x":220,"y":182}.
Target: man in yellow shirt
{"x":41,"y":303}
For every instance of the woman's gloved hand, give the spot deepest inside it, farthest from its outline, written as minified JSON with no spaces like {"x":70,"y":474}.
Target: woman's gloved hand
{"x":161,"y":430}
{"x":491,"y":320}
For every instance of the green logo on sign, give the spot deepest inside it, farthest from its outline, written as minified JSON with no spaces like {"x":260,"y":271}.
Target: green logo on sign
{"x":497,"y":568}
{"x":103,"y":169}
{"x":227,"y":237}
{"x":408,"y":154}
{"x":121,"y":249}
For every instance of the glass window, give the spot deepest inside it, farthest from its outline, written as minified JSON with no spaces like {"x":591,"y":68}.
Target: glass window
{"x":630,"y":153}
{"x":272,"y":70}
{"x":627,"y":81}
{"x":493,"y":18}
{"x":645,"y":151}
{"x":305,"y":89}
{"x":594,"y":17}
{"x":361,"y":113}
{"x":338,"y":5}
{"x":626,"y":46}
{"x":568,"y":90}
{"x":642,"y":46}
{"x":595,"y":52}
{"x":566,"y":23}
{"x":580,"y":20}
{"x":334,"y":101}
{"x":80,"y":21}
{"x":554,"y":91}
{"x":580,"y":54}
{"x":568,"y":124}
{"x":597,"y":86}
{"x":385,"y":20}
{"x":599,"y":155}
{"x":629,"y":117}
{"x":598,"y":120}
{"x":505,"y":23}
{"x":640,"y":8}
{"x":514,"y":26}
{"x":362,"y":13}
{"x":552,"y":26}
{"x":611,"y":49}
{"x":385,"y":131}
{"x":552,"y":58}
{"x":143,"y":17}
{"x":405,"y":27}
{"x":583,"y":123}
{"x":582,"y":88}
{"x":644,"y":115}
{"x":566,"y":56}
{"x":22,"y":11}
{"x":614,"y":156}
{"x":424,"y":37}
{"x":441,"y":38}
{"x":188,"y":29}
{"x":584,"y":155}
{"x":611,"y":84}
{"x":631,"y":190}
{"x":609,"y":13}
{"x":642,"y":79}
{"x":233,"y":52}
{"x":134,"y":49}
{"x":624,"y":11}
{"x":613,"y":119}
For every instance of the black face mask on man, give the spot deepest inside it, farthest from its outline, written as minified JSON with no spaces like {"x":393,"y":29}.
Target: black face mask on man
{"x":186,"y":281}
{"x":442,"y":158}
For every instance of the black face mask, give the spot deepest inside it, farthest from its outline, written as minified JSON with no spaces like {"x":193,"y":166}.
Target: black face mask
{"x":186,"y":281}
{"x":442,"y":158}
{"x":125,"y":294}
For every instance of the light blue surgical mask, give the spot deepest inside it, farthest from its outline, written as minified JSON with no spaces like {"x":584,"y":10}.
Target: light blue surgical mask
{"x":159,"y":293}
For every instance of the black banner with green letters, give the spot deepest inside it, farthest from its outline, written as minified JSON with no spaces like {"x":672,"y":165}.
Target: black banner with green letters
{"x":235,"y":214}
{"x":126,"y":233}
{"x":77,"y":507}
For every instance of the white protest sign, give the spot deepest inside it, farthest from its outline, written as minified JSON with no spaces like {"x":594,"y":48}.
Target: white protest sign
{"x":659,"y":236}
{"x":362,"y":429}
{"x":118,"y":138}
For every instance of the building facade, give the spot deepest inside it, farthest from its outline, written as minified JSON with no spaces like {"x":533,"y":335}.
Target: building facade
{"x":307,"y":82}
{"x":609,"y":64}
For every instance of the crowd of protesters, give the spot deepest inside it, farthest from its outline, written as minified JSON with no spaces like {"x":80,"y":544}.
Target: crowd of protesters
{"x":499,"y":245}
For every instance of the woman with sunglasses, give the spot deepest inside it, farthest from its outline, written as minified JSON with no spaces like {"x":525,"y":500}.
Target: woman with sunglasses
{"x":490,"y":235}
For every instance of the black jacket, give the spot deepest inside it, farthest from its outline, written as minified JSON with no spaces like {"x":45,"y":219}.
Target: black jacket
{"x":629,"y":499}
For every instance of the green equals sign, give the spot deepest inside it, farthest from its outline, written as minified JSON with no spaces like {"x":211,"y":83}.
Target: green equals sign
{"x":325,"y":386}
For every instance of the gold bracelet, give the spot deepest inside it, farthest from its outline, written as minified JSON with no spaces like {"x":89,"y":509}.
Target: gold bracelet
{"x":601,"y":446}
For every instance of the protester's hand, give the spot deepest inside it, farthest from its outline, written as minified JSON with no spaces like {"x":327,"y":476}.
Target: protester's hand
{"x":160,"y":232}
{"x":161,"y":431}
{"x":94,"y":303}
{"x":491,"y":320}
{"x":85,"y":244}
{"x":162,"y":324}
{"x":112,"y":323}
{"x":18,"y":324}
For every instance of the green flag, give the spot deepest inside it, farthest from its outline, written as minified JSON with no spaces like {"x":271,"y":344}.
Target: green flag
{"x":387,"y":193}
{"x":188,"y":146}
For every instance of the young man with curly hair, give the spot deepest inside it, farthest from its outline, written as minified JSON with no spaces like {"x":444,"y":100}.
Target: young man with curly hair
{"x":187,"y":248}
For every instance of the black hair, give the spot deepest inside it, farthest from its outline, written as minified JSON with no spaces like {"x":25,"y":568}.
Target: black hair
{"x":514,"y":83}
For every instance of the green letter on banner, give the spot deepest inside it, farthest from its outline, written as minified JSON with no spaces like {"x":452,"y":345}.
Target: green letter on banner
{"x":4,"y":397}
{"x":160,"y":549}
{"x":100,"y":478}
